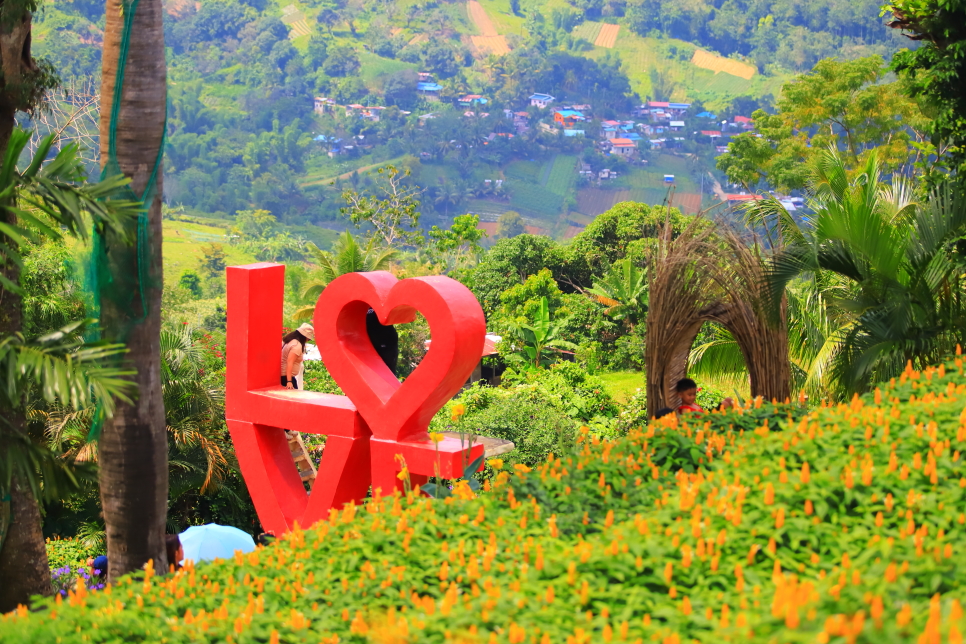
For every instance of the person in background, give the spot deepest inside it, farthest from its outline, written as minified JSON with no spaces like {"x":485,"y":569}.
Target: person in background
{"x":384,"y":339}
{"x":687,"y":391}
{"x":172,"y":544}
{"x":293,"y":354}
{"x":99,"y":568}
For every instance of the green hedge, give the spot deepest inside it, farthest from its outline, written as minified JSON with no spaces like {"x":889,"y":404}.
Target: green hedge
{"x":768,"y":524}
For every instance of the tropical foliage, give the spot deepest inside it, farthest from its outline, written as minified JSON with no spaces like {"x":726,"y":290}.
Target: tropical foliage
{"x":889,"y":270}
{"x":347,"y":256}
{"x":770,"y":522}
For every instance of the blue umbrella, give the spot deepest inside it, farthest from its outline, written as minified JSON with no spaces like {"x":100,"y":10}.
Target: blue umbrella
{"x":213,"y":541}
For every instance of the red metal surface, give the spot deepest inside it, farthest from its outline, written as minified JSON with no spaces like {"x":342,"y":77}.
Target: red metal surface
{"x":377,"y":420}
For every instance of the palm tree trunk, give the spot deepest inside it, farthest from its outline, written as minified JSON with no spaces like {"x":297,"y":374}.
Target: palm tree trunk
{"x":23,"y":560}
{"x":133,"y":447}
{"x":23,"y":557}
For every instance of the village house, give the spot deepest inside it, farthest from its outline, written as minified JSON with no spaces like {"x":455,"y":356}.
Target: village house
{"x":622,"y":147}
{"x":567,"y":118}
{"x":735,"y":200}
{"x":676,"y":126}
{"x":321,"y":103}
{"x":541,"y":100}
{"x":472,"y":99}
{"x":429,"y":90}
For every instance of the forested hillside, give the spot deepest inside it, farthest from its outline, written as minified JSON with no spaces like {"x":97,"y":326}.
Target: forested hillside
{"x":245,"y":131}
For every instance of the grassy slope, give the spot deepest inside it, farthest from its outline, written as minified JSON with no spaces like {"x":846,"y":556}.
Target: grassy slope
{"x":622,"y":385}
{"x":839,"y":526}
{"x":182,"y":243}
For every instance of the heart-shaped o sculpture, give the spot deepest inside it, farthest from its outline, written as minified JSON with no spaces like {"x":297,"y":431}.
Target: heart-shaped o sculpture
{"x":397,"y":411}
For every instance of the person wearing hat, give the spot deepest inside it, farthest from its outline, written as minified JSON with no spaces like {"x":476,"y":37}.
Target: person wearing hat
{"x":293,"y":353}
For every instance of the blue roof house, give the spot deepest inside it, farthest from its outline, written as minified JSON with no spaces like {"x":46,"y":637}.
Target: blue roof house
{"x":541,"y":100}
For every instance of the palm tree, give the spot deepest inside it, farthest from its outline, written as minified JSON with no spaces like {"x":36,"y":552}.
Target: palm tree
{"x":133,"y":445}
{"x":623,"y":290}
{"x":347,"y":256}
{"x":200,"y":457}
{"x":44,"y":201}
{"x":890,"y":275}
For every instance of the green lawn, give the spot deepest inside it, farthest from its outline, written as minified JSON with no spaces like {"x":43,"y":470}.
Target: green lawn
{"x":622,"y":385}
{"x":181,"y":247}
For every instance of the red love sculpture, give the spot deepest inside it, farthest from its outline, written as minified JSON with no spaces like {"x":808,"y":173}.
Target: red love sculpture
{"x":399,"y":413}
{"x":258,"y":409}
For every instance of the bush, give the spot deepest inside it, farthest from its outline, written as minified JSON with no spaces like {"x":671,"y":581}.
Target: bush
{"x":317,"y":378}
{"x":525,"y":418}
{"x":840,"y":524}
{"x":68,"y":552}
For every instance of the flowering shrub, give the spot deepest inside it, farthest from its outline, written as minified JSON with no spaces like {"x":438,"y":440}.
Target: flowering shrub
{"x":68,"y":553}
{"x":840,"y":524}
{"x":66,"y":579}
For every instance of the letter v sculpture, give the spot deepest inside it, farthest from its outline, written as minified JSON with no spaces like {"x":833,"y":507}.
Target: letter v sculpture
{"x":378,"y":424}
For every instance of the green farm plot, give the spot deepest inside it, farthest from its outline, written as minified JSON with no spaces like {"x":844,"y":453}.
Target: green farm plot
{"x":588,"y":30}
{"x":487,"y":207}
{"x":535,"y":199}
{"x":375,"y":68}
{"x":724,"y":83}
{"x":560,"y":179}
{"x":524,"y":171}
{"x":182,"y":242}
{"x":502,"y":18}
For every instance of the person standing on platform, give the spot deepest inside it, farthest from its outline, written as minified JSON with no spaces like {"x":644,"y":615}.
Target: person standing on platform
{"x":293,"y":354}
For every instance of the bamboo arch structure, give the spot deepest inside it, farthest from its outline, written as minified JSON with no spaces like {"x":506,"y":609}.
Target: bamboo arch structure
{"x":709,"y":275}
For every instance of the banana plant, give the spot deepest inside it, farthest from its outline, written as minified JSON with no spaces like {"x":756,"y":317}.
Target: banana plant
{"x":623,"y":290}
{"x":542,"y":334}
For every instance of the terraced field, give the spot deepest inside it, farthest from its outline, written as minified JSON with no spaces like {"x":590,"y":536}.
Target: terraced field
{"x":489,"y":41}
{"x":561,"y":175}
{"x":608,"y":36}
{"x":707,"y":60}
{"x":588,"y":30}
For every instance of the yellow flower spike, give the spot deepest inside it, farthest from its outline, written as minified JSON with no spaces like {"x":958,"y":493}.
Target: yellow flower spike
{"x":520,"y":467}
{"x":495,"y":463}
{"x":403,"y":474}
{"x":686,"y":605}
{"x":458,"y":410}
{"x":436,"y":437}
{"x":904,"y":616}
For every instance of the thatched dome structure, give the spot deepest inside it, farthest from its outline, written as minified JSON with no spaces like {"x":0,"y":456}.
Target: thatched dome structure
{"x":709,"y":275}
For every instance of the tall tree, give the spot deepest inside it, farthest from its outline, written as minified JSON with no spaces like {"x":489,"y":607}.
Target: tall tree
{"x":56,"y":368}
{"x":133,"y":446}
{"x":936,"y":70}
{"x":23,"y":82}
{"x":840,"y":104}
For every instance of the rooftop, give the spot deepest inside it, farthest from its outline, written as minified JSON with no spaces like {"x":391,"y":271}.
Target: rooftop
{"x":622,"y":143}
{"x":428,"y":87}
{"x":541,"y":97}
